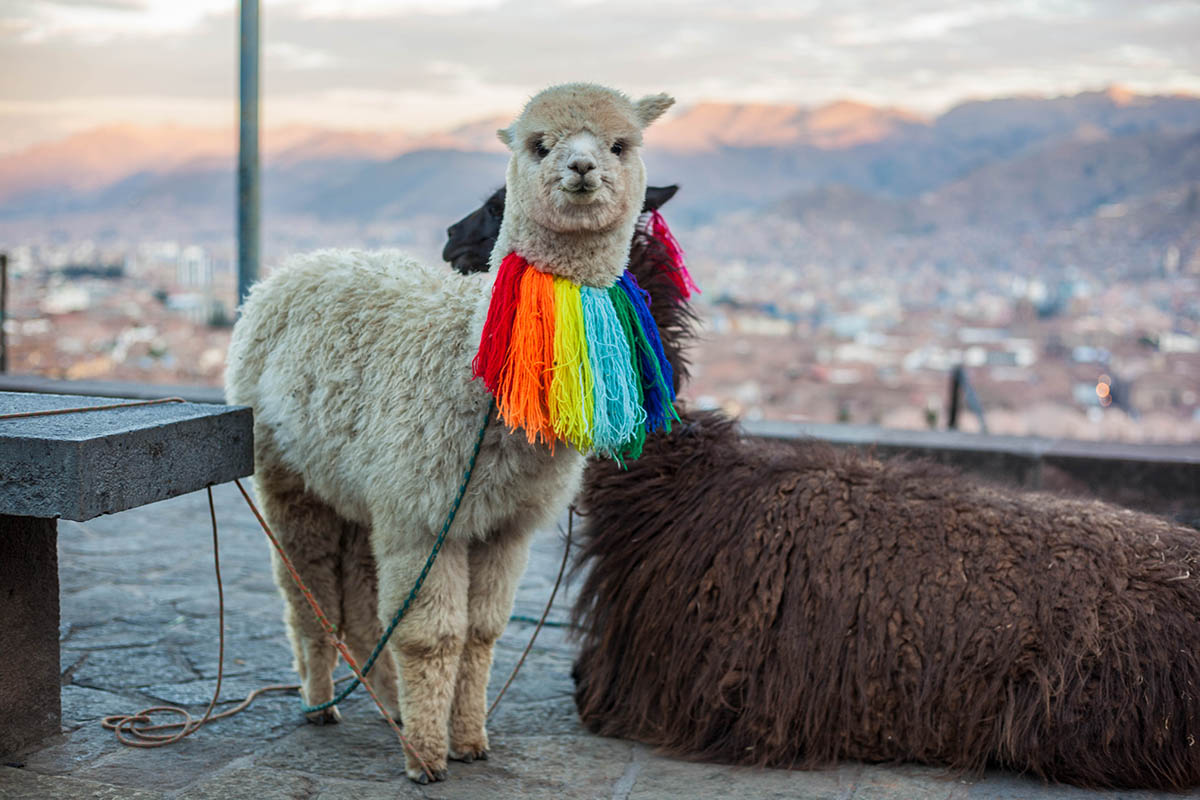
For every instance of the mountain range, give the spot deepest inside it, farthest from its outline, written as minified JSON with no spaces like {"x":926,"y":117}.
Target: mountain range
{"x":1012,"y":164}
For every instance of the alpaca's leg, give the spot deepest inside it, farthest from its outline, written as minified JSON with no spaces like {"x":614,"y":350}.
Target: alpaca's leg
{"x":309,"y":532}
{"x":428,"y":641}
{"x":360,"y":618}
{"x":496,"y":566}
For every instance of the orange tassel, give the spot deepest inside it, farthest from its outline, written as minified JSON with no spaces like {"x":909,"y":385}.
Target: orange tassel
{"x":527,"y":370}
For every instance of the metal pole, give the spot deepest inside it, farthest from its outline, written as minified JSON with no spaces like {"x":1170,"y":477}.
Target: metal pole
{"x":973,"y":402}
{"x":3,"y":311}
{"x":248,"y":197}
{"x":956,"y":376}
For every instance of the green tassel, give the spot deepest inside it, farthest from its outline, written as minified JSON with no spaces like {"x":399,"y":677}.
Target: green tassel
{"x":632,"y":447}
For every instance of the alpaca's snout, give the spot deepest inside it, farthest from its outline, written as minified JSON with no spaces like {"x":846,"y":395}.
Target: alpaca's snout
{"x":578,"y":168}
{"x":581,"y":164}
{"x":452,"y":239}
{"x":581,"y":178}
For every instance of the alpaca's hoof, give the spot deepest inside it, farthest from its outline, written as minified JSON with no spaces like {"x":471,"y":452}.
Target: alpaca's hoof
{"x":469,"y":755}
{"x":419,"y":775}
{"x":326,"y":716}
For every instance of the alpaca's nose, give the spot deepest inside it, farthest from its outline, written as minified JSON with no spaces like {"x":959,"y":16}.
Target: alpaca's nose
{"x":581,"y":164}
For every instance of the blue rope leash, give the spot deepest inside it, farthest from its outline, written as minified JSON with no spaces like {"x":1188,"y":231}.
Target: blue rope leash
{"x":534,"y":621}
{"x":412,"y":595}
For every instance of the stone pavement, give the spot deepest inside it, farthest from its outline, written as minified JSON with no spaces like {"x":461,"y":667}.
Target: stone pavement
{"x":139,"y":628}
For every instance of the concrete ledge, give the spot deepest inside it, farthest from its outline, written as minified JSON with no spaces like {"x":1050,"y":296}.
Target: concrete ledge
{"x":1163,"y":478}
{"x":1155,"y":477}
{"x":141,"y":391}
{"x":79,"y":466}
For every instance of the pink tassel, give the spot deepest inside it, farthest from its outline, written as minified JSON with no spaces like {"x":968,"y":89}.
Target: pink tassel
{"x":678,"y":274}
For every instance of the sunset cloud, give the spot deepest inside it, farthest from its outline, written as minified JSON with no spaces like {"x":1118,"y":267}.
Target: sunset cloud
{"x":423,"y":65}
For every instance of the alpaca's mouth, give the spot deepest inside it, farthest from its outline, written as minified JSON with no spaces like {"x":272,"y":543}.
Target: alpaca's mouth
{"x":575,"y":206}
{"x":466,"y":259}
{"x":581,"y":195}
{"x":580,"y":186}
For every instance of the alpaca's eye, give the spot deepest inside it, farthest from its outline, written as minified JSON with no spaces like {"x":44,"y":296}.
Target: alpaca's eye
{"x":539,"y":149}
{"x":618,"y":147}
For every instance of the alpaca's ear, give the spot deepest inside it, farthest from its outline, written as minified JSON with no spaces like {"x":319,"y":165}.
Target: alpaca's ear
{"x":656,"y":196}
{"x":651,"y":107}
{"x":505,"y":135}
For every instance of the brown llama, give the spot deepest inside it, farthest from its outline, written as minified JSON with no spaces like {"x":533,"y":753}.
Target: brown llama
{"x":789,"y":604}
{"x":838,"y":607}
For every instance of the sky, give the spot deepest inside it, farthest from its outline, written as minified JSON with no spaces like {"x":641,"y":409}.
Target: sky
{"x":422,"y":65}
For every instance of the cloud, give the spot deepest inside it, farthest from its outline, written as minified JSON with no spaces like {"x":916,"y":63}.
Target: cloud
{"x":119,"y":5}
{"x":289,"y":56}
{"x":378,"y":9}
{"x":101,"y":21}
{"x":423,"y":64}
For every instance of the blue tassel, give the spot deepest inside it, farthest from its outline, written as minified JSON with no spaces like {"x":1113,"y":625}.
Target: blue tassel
{"x":658,"y":383}
{"x":615,"y":408}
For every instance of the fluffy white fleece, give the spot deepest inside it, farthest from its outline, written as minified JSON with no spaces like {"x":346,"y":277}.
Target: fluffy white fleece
{"x":359,"y":374}
{"x":358,"y":368}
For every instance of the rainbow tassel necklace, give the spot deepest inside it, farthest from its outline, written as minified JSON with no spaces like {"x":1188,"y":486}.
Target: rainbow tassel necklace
{"x":575,"y":363}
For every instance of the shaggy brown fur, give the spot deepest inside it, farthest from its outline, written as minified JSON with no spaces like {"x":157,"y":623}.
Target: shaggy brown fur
{"x":787,"y":604}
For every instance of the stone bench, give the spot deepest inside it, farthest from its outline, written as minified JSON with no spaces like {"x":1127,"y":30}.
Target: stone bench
{"x":78,"y":466}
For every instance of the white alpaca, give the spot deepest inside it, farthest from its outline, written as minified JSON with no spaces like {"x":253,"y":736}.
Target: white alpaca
{"x":358,"y":367}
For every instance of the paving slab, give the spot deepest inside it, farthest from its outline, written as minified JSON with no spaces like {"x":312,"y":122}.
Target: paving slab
{"x":16,"y":784}
{"x":139,"y":628}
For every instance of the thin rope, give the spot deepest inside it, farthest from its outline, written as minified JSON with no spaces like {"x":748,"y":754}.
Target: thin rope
{"x":549,"y":623}
{"x":558,"y":581}
{"x":433,"y":554}
{"x":330,"y":631}
{"x":80,"y":409}
{"x":241,"y":706}
{"x":122,"y":724}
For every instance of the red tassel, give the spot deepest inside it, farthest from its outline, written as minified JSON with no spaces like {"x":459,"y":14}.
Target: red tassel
{"x":526,"y":379}
{"x":497,"y":328}
{"x":678,"y":274}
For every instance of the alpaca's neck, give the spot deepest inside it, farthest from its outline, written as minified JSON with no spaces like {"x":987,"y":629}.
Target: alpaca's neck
{"x":589,"y":258}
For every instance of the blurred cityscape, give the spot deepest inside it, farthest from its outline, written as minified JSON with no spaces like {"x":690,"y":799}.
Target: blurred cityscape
{"x":850,"y":257}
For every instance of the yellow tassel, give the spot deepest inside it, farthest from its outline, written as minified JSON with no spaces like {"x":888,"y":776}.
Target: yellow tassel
{"x":571,"y":383}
